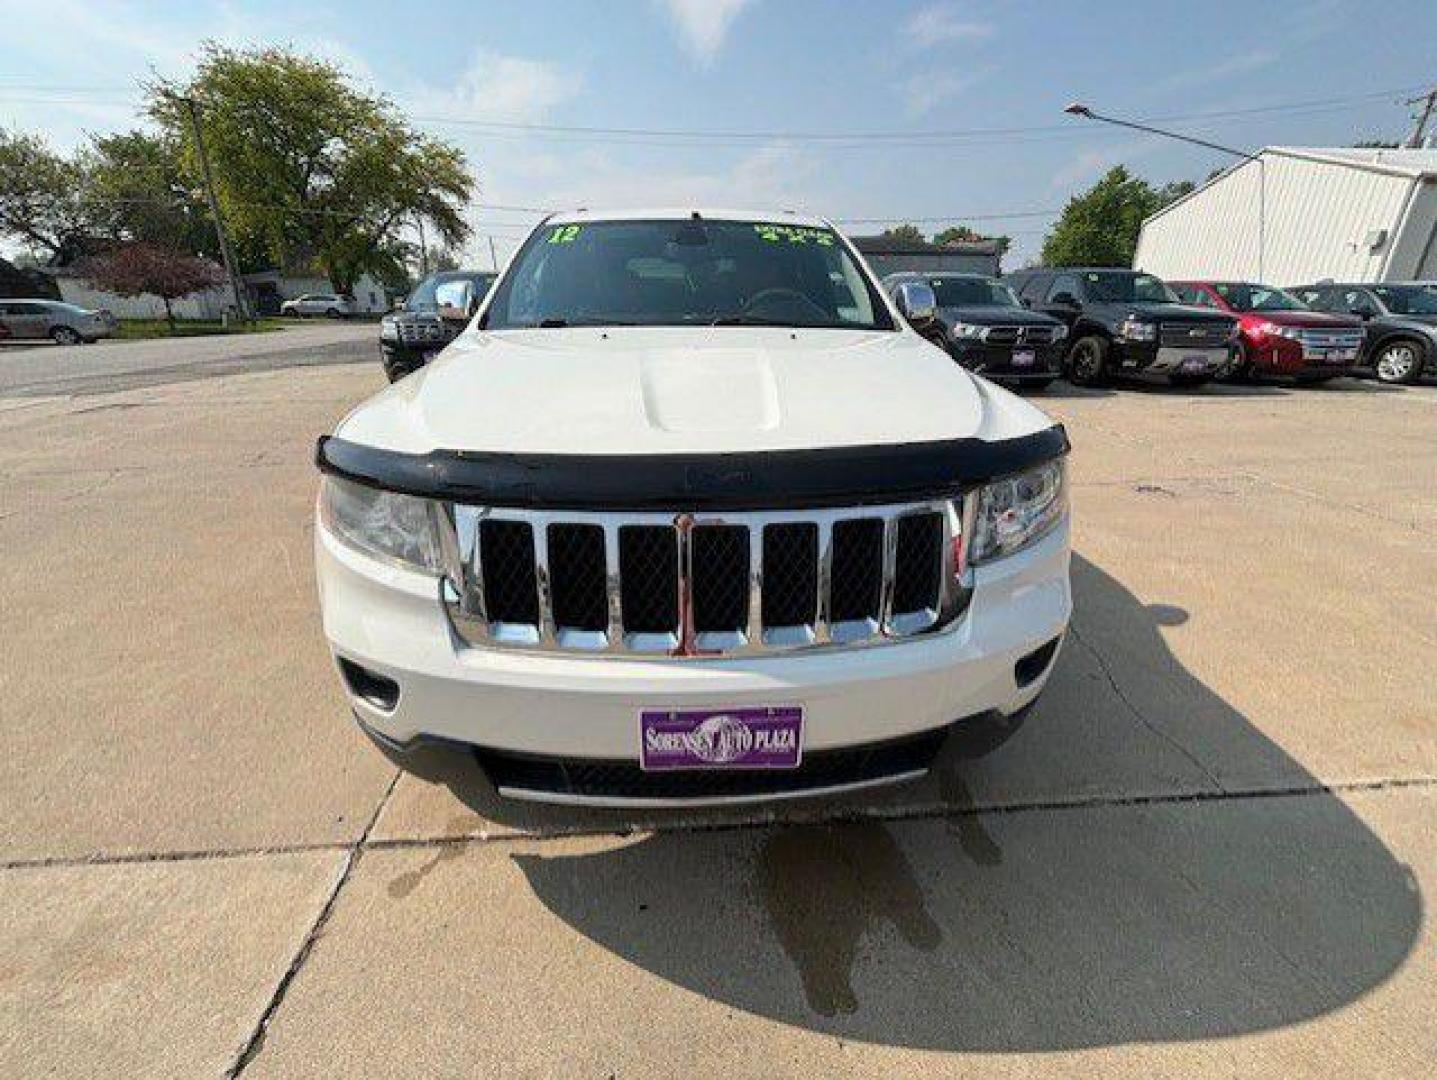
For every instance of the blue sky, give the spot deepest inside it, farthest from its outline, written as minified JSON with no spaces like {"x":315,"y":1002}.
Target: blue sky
{"x":784,"y":69}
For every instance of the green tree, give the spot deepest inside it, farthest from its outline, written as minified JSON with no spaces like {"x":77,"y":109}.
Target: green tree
{"x":309,"y":169}
{"x":140,"y":192}
{"x":42,"y":197}
{"x":963,"y":234}
{"x":908,"y":234}
{"x":1099,"y":227}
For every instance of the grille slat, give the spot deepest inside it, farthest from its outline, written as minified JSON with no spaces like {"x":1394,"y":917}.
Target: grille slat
{"x":719,"y":565}
{"x":658,"y":584}
{"x":856,"y":586}
{"x":790,"y":575}
{"x":918,"y":567}
{"x":577,"y":577}
{"x":649,"y":578}
{"x":510,"y":586}
{"x":1193,"y":335}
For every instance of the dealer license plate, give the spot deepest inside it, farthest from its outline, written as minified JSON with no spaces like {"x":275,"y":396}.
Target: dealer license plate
{"x":1024,"y":357}
{"x":1195,"y":363}
{"x":758,"y":737}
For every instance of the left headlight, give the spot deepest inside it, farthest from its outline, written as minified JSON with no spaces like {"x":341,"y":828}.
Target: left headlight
{"x":395,"y":527}
{"x":1135,"y":329}
{"x":966,"y":331}
{"x":1019,"y":510}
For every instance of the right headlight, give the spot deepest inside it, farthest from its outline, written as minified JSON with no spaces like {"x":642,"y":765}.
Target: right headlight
{"x":389,"y":328}
{"x":399,"y":528}
{"x":1019,"y":510}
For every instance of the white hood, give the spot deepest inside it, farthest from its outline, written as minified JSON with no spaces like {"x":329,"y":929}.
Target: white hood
{"x":644,"y":390}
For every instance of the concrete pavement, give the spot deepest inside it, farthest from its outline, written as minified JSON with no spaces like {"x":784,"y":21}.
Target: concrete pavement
{"x":1207,"y":850}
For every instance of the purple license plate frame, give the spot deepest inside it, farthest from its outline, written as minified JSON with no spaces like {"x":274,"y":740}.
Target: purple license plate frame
{"x":1025,"y":357}
{"x":752,"y":737}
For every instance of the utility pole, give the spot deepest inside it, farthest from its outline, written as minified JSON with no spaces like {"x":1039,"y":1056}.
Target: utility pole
{"x":493,"y":258}
{"x":225,"y":253}
{"x":423,"y":248}
{"x":1429,"y":103}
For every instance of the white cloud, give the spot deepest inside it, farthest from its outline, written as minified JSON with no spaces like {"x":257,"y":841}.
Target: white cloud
{"x":926,"y":90}
{"x":940,"y":24}
{"x":1221,"y":71}
{"x":494,"y":86}
{"x":1089,"y":164}
{"x":703,"y":24}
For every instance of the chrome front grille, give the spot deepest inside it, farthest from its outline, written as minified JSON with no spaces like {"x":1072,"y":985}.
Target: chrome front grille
{"x":1330,"y":339}
{"x":699,"y":585}
{"x":1202,"y":335}
{"x":1019,"y":335}
{"x":421,"y":332}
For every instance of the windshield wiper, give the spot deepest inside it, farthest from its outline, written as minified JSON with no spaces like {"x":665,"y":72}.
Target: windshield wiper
{"x":558,"y":323}
{"x":750,"y":320}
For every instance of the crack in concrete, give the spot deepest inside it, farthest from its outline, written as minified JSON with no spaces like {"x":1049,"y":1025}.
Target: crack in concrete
{"x":255,"y":1043}
{"x":924,"y":812}
{"x":1102,"y":662}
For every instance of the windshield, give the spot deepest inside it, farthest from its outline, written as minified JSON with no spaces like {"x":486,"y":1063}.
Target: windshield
{"x":1123,"y":288}
{"x":1258,"y":298}
{"x":1408,"y":299}
{"x":425,"y":298}
{"x":686,"y":272}
{"x":972,"y":292}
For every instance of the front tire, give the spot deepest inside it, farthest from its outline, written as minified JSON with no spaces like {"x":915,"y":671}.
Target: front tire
{"x":1399,"y":361}
{"x":1088,"y":361}
{"x":65,"y":335}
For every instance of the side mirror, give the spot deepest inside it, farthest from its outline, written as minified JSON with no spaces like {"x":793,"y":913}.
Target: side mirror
{"x":456,"y":304}
{"x":1364,"y":312}
{"x":916,"y":302}
{"x":1064,"y":300}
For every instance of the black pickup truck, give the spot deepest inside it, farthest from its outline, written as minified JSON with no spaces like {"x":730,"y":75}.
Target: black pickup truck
{"x":981,"y":323}
{"x":430,"y":319}
{"x":1127,"y":323}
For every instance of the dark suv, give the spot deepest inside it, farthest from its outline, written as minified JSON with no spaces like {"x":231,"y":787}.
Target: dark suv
{"x":430,"y":319}
{"x":1401,"y":323}
{"x":984,"y":326}
{"x":1127,"y":323}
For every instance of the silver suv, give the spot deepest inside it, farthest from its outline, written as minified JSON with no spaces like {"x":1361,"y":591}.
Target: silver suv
{"x":62,"y":323}
{"x":330,"y":305}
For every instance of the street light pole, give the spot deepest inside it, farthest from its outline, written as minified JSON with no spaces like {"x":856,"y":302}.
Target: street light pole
{"x":231,"y":268}
{"x":1079,"y":109}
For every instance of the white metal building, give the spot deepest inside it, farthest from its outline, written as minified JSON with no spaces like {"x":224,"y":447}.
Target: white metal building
{"x":1294,"y":215}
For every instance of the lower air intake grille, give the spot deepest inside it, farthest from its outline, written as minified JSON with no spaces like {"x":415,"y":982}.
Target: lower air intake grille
{"x":618,"y":780}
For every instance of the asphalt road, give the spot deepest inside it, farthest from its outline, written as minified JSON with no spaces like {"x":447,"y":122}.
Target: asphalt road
{"x":1207,"y":852}
{"x":35,"y":370}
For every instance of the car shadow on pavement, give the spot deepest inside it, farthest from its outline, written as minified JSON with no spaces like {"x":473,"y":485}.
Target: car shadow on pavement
{"x":1155,"y":914}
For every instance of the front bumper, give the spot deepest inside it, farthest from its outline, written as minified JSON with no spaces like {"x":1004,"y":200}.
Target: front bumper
{"x":391,"y":622}
{"x":998,"y":361}
{"x":1148,"y":358}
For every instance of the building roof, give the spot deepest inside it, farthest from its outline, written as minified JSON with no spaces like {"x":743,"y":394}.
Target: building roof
{"x":1414,"y":164}
{"x":897,"y":245}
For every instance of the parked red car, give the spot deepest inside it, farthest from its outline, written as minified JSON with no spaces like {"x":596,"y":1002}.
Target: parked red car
{"x":1278,"y":333}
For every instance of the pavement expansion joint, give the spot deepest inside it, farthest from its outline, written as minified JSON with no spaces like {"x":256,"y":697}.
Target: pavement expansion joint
{"x":255,"y":1043}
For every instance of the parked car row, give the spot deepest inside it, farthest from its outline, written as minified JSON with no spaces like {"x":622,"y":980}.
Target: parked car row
{"x":62,"y":323}
{"x":1095,"y":324}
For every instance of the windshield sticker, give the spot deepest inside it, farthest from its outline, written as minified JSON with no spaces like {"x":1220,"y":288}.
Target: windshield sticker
{"x":564,"y":234}
{"x":794,"y":234}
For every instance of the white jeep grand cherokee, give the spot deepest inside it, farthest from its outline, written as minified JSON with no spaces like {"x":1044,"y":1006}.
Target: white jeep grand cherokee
{"x":689,"y":513}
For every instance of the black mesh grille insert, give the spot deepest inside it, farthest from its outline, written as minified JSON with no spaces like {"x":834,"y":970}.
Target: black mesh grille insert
{"x":719,"y":561}
{"x":625,"y":780}
{"x":916,"y":566}
{"x":649,"y":578}
{"x":790,"y":574}
{"x":856,"y":586}
{"x":577,"y":576}
{"x":506,"y":553}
